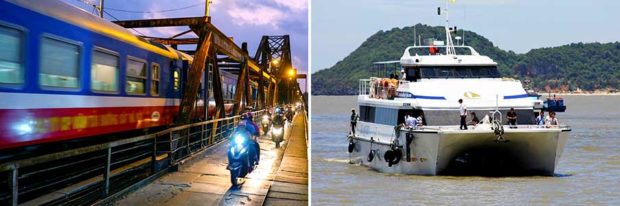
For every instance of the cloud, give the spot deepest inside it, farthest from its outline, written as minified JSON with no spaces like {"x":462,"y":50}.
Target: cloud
{"x":298,"y":63}
{"x":159,"y":31}
{"x":255,"y":14}
{"x":294,"y":5}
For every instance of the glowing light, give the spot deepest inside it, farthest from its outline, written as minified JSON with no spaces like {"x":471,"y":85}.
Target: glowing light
{"x":23,"y":128}
{"x":291,"y":72}
{"x":277,"y":131}
{"x":239,"y":139}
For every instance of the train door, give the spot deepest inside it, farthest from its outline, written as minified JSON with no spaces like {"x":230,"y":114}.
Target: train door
{"x":209,"y":89}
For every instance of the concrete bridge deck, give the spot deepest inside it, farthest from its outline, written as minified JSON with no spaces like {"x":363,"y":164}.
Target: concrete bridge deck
{"x":280,"y":179}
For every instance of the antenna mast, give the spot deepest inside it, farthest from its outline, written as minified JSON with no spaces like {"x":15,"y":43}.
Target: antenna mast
{"x":449,"y":44}
{"x":414,"y":34}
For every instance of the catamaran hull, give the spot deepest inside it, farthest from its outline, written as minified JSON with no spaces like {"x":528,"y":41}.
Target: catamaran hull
{"x":530,"y":151}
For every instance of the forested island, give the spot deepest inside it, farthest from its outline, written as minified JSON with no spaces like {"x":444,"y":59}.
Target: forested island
{"x":573,"y":68}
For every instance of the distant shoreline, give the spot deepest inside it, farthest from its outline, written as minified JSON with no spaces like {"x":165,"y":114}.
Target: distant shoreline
{"x":580,"y":94}
{"x":543,"y":95}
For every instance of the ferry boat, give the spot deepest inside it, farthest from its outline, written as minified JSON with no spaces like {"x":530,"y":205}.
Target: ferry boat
{"x":434,"y":77}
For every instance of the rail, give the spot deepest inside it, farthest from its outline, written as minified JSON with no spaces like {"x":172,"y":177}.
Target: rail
{"x":506,"y":127}
{"x":380,"y":88}
{"x":84,"y":175}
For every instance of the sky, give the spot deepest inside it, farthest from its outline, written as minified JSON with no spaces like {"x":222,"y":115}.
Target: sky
{"x":244,"y":20}
{"x":340,"y":26}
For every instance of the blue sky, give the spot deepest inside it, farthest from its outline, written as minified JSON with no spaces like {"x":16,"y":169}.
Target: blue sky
{"x":340,"y":26}
{"x":244,"y":20}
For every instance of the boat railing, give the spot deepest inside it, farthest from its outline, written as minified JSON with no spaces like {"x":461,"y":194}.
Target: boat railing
{"x":364,"y":87}
{"x":506,"y":127}
{"x":379,"y":88}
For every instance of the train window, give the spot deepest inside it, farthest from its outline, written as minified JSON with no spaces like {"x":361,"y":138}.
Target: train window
{"x":11,"y":61}
{"x":104,"y":72}
{"x":177,"y":82}
{"x":225,"y":90}
{"x":60,"y":64}
{"x":155,"y":74}
{"x":136,"y":77}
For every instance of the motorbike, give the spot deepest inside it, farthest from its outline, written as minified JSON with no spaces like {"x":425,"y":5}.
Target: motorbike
{"x":277,"y":133}
{"x":265,"y":123}
{"x":241,"y":156}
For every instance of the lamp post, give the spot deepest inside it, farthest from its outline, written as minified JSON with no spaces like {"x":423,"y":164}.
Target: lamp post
{"x":291,"y":73}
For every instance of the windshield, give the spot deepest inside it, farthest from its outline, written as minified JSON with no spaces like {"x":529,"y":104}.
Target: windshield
{"x":453,"y":72}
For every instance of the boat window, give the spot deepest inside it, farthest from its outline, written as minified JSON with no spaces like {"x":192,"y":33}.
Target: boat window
{"x":104,"y":72}
{"x":413,"y":74}
{"x":367,"y":114}
{"x":386,"y":116}
{"x":413,"y":112}
{"x":460,"y":72}
{"x":428,"y":72}
{"x":136,"y":77}
{"x":11,"y":60}
{"x":463,"y":72}
{"x":445,"y":72}
{"x":60,"y":64}
{"x":155,"y":75}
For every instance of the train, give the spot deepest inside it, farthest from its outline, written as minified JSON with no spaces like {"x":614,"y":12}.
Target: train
{"x":67,"y":74}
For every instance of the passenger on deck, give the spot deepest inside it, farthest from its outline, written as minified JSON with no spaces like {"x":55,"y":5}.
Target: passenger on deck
{"x":540,"y":119}
{"x":463,"y":113}
{"x":410,"y":122}
{"x":552,"y":122}
{"x":386,"y":84}
{"x":354,"y":118}
{"x":419,"y":120}
{"x":512,"y":118}
{"x":474,"y":119}
{"x":403,"y":75}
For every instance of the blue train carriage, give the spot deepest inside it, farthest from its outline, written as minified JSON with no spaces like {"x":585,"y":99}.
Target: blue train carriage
{"x":66,"y":74}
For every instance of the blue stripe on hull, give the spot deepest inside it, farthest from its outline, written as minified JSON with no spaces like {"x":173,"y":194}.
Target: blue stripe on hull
{"x":516,"y":96}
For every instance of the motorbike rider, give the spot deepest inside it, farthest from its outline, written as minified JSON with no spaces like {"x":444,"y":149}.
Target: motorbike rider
{"x":254,"y":130}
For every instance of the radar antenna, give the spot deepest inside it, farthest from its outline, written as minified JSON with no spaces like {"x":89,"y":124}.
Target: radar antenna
{"x":449,"y":44}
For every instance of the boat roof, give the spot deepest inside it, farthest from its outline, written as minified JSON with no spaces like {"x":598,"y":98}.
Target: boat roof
{"x":466,"y":56}
{"x":77,"y":16}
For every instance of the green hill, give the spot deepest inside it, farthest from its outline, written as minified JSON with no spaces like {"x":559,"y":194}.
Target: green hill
{"x":587,"y":67}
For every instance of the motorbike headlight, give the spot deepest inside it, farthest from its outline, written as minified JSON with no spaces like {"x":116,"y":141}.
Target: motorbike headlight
{"x":277,"y":131}
{"x":239,"y":139}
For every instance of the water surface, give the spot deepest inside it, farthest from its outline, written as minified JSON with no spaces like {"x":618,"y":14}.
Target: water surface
{"x":588,"y":173}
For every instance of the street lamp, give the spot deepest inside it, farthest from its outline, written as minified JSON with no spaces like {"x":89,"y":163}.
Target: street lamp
{"x":292,"y":73}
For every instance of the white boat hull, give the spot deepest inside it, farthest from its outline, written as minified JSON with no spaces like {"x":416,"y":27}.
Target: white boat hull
{"x":432,"y":151}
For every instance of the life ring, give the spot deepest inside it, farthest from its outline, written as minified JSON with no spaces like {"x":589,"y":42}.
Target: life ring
{"x":393,"y":156}
{"x":371,"y":155}
{"x":351,"y":145}
{"x":389,"y":157}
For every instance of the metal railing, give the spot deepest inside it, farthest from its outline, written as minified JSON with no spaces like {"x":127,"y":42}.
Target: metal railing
{"x":84,"y":175}
{"x":375,"y":88}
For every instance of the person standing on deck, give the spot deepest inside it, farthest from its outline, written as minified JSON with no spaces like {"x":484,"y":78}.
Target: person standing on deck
{"x":552,"y":122}
{"x":410,"y":121}
{"x":512,"y":118}
{"x":463,"y":113}
{"x":540,"y":119}
{"x":354,"y":118}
